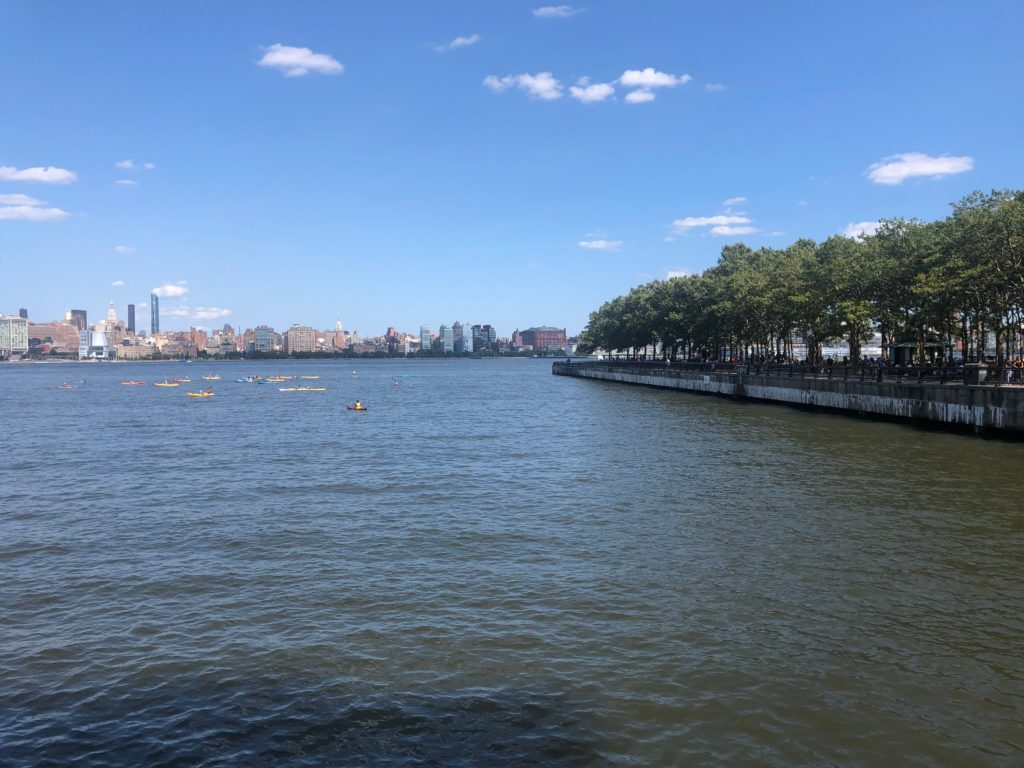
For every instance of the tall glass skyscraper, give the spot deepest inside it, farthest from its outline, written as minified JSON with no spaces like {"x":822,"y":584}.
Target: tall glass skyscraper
{"x":154,"y":313}
{"x":131,"y":318}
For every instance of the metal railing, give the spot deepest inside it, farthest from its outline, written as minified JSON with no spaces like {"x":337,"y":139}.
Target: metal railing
{"x":970,"y":374}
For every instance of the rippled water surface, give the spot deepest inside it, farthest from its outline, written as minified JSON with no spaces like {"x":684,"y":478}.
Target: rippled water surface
{"x":495,"y":566}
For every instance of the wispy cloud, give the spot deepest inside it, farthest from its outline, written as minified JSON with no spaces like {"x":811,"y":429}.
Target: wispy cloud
{"x":48,"y":175}
{"x":542,"y":85}
{"x":601,"y":245}
{"x":861,"y":229}
{"x":639,"y":97}
{"x":174,"y":311}
{"x":117,"y":283}
{"x":125,"y":165}
{"x":124,"y":249}
{"x":714,"y":87}
{"x":589,"y":93}
{"x":677,"y":273}
{"x":734,"y":201}
{"x":296,"y":62}
{"x":458,"y":42}
{"x":556,"y":11}
{"x":127,"y":182}
{"x":170,"y":290}
{"x":149,"y":166}
{"x":723,"y":231}
{"x":896,"y":169}
{"x":210,"y":313}
{"x":18,"y":207}
{"x":693,"y":222}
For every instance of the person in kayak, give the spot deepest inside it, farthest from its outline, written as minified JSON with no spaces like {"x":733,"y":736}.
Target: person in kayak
{"x":359,"y":406}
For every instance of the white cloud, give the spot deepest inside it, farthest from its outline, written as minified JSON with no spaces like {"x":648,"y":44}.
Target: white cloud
{"x":802,"y":203}
{"x":714,"y":87}
{"x":651,"y":78}
{"x":556,"y":11}
{"x":677,"y":273}
{"x":589,"y":93}
{"x":31,"y":213}
{"x":210,"y":313}
{"x":691,"y":222}
{"x":601,"y":245}
{"x":48,"y":175}
{"x":861,"y":229}
{"x":127,"y":182}
{"x":182,"y":282}
{"x":540,"y":86}
{"x":125,"y":165}
{"x":295,"y":62}
{"x":117,"y":283}
{"x":149,"y":166}
{"x":741,"y":230}
{"x":124,"y":249}
{"x":19,"y":200}
{"x":639,"y":97}
{"x":458,"y":42}
{"x":734,"y":201}
{"x":174,"y":311}
{"x":895,"y":169}
{"x":170,"y":291}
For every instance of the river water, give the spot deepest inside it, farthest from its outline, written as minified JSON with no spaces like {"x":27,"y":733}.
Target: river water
{"x":495,"y":566}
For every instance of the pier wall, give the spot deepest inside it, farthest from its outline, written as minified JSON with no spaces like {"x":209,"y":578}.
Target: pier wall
{"x":997,"y":410}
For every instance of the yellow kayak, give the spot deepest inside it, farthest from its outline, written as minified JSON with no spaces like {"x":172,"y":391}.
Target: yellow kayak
{"x":199,"y":394}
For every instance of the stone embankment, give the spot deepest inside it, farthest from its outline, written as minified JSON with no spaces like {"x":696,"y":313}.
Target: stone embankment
{"x":986,"y":409}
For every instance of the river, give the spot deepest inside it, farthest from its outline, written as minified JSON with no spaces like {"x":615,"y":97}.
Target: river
{"x":494,"y":566}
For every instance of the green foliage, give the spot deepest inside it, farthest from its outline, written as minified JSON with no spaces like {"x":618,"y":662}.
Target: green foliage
{"x":911,"y":280}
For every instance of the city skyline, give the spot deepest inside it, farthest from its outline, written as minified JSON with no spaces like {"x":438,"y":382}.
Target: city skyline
{"x":268,"y":165}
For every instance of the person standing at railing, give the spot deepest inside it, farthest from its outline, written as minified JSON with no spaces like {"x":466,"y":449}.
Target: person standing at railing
{"x":881,"y":367}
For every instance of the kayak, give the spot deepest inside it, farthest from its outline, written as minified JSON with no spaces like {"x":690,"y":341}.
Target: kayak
{"x":211,"y":378}
{"x":199,"y":394}
{"x":311,"y":377}
{"x":166,"y":384}
{"x":302,"y":389}
{"x":360,"y":408}
{"x":135,"y":383}
{"x":184,"y":381}
{"x":68,"y":386}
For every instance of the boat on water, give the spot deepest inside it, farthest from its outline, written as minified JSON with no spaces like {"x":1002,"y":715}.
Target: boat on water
{"x":302,"y":389}
{"x":357,"y":407}
{"x":215,"y":377}
{"x":65,"y":385}
{"x":199,"y":394}
{"x":132,"y":383}
{"x":166,"y":384}
{"x":183,"y":381}
{"x":311,"y":377}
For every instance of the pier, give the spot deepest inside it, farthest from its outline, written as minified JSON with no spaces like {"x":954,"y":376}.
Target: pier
{"x":983,"y":401}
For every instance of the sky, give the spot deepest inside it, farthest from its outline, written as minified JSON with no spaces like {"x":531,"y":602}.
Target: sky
{"x":514,"y":163}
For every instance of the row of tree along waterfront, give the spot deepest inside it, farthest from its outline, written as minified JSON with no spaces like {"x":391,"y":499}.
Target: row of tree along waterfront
{"x":932,"y":284}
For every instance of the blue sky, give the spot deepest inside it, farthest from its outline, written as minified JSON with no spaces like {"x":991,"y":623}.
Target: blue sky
{"x":386,"y":176}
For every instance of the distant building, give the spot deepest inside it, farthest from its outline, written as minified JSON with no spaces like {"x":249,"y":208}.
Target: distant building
{"x":93,"y":345}
{"x":131,"y":318}
{"x":424,"y":338}
{"x":447,"y":339}
{"x":484,"y":338}
{"x":61,"y":335}
{"x":154,"y":314}
{"x":23,"y":313}
{"x":300,"y":338}
{"x":263,"y":340}
{"x":544,"y":337}
{"x":13,"y":336}
{"x":78,"y":318}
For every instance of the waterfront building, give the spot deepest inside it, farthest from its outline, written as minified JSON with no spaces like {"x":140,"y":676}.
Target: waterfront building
{"x":93,"y":345}
{"x":424,"y":338}
{"x":154,"y":314}
{"x":457,"y":333}
{"x":263,"y":339}
{"x":447,"y":339}
{"x":131,"y":318}
{"x":467,"y":341}
{"x":300,"y":338}
{"x":544,"y":337}
{"x":198,"y":337}
{"x":484,"y":338}
{"x":338,"y":341}
{"x":78,"y":318}
{"x":13,"y":336}
{"x":61,"y":335}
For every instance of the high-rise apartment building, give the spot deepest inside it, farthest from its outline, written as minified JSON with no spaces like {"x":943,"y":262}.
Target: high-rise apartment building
{"x":447,"y":339}
{"x":263,"y":339}
{"x":424,"y":338}
{"x":13,"y":335}
{"x":300,"y":338}
{"x":131,"y":318}
{"x":23,"y":313}
{"x":154,"y":314}
{"x":484,"y":337}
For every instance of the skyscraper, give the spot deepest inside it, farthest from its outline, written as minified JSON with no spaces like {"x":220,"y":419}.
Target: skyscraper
{"x":131,"y":318}
{"x":447,"y":339}
{"x":23,"y":313}
{"x":424,"y":338}
{"x":154,"y":314}
{"x":78,"y":318}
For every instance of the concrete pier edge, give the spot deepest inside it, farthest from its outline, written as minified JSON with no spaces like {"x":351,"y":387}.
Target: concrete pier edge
{"x":983,"y":410}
